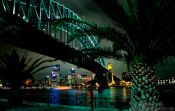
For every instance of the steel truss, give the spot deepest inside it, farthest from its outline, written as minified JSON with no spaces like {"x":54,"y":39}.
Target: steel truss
{"x":40,"y":12}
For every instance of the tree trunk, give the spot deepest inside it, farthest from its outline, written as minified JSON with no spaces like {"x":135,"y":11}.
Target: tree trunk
{"x":144,"y":93}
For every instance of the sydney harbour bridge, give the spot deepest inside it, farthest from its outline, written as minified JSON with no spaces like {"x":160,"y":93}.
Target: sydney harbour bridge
{"x":39,"y":34}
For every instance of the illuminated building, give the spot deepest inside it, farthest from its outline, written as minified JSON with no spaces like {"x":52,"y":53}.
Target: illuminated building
{"x":55,"y":75}
{"x":109,"y":67}
{"x":167,"y":81}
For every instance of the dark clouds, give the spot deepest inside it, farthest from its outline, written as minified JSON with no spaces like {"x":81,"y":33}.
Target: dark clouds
{"x":91,"y":12}
{"x":87,"y":9}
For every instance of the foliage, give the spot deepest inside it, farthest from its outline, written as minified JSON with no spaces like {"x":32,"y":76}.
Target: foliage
{"x":15,"y":69}
{"x":148,"y":24}
{"x":143,"y":28}
{"x":145,"y":31}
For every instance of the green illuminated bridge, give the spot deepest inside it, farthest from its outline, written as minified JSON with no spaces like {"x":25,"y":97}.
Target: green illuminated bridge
{"x":40,"y":13}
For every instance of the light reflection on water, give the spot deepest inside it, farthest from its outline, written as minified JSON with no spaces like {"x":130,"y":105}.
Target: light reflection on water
{"x":124,"y":94}
{"x":111,"y":97}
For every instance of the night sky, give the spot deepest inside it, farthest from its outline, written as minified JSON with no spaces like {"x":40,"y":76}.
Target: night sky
{"x":88,"y":10}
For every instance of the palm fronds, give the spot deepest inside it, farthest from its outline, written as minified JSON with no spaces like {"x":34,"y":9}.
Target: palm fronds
{"x":14,"y":69}
{"x":148,"y":23}
{"x":142,"y":27}
{"x":105,"y":52}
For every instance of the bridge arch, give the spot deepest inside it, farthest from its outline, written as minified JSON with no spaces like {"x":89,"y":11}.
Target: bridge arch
{"x":36,"y":12}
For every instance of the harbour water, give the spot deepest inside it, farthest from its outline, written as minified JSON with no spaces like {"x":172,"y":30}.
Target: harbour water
{"x":114,"y":97}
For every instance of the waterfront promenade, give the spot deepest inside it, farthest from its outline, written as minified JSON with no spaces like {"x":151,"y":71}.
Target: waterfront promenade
{"x":35,"y":106}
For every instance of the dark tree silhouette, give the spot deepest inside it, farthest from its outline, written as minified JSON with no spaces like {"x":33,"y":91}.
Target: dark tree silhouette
{"x":143,"y":36}
{"x":15,"y":70}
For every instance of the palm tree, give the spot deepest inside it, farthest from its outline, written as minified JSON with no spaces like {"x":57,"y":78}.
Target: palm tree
{"x":15,"y":70}
{"x":144,"y":31}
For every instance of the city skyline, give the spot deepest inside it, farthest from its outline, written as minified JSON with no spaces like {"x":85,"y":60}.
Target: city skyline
{"x":88,"y":10}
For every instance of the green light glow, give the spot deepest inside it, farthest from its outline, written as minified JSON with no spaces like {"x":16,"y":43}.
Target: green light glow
{"x":37,"y":13}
